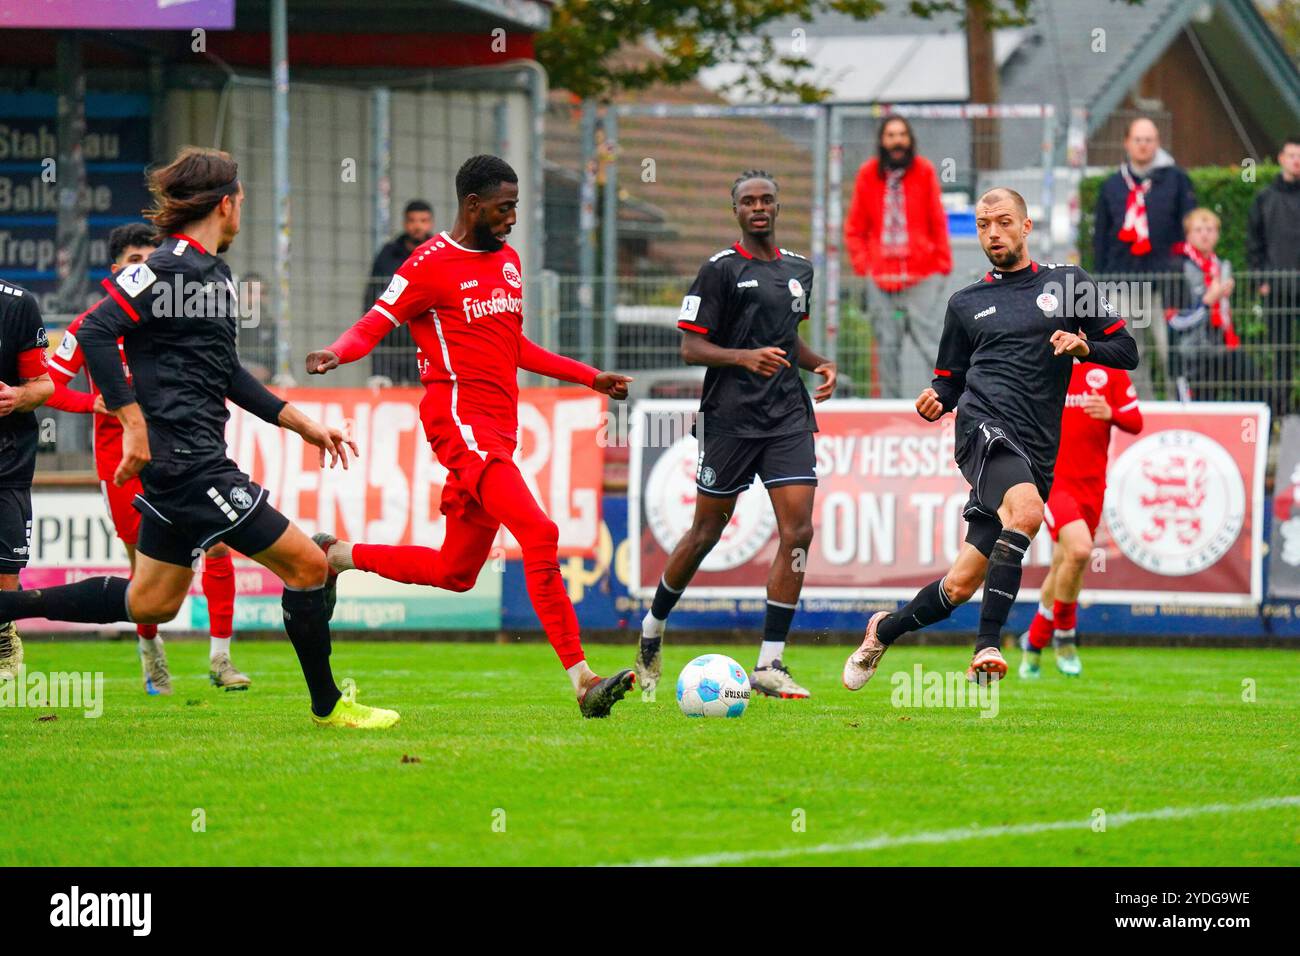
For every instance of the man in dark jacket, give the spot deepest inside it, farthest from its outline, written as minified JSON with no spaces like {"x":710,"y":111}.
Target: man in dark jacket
{"x":1273,"y":245}
{"x":1138,"y":219}
{"x":396,"y":360}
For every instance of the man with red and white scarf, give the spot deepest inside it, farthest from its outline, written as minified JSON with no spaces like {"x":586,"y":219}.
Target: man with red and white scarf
{"x":1137,"y":220}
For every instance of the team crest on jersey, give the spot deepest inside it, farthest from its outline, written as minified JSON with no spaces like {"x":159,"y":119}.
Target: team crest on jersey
{"x":395,"y":289}
{"x":135,"y":279}
{"x":796,"y":289}
{"x":240,"y":498}
{"x":708,"y":476}
{"x":1096,"y":378}
{"x":42,"y":340}
{"x":511,"y":275}
{"x":1047,"y":302}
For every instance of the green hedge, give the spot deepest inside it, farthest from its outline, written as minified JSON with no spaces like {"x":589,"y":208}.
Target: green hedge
{"x":1221,"y":188}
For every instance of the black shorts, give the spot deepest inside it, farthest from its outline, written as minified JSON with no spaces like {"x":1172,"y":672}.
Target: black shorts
{"x":183,"y":513}
{"x":727,"y":464}
{"x":992,"y":460}
{"x":15,"y":529}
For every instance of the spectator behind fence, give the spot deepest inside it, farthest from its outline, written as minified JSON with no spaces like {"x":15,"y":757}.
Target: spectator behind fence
{"x":1204,"y":360}
{"x":1137,"y":221}
{"x":1272,"y":246}
{"x":395,"y":359}
{"x":897,"y":235}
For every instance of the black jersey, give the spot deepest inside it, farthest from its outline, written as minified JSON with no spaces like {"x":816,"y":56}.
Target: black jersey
{"x":995,"y":359}
{"x":739,"y":302}
{"x":177,"y":316}
{"x":22,"y":357}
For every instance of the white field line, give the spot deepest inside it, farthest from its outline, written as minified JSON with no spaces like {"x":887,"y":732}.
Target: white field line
{"x":969,"y":833}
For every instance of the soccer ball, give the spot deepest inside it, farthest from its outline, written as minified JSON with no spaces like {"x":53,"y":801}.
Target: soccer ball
{"x":713,"y":685}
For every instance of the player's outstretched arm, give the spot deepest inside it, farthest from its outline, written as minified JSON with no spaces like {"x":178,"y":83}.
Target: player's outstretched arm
{"x":329,"y":440}
{"x":356,"y":343}
{"x":534,"y":358}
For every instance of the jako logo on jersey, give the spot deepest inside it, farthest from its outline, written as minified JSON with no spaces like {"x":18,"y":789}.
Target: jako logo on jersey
{"x":512,"y":275}
{"x":135,"y":279}
{"x":1096,"y":378}
{"x":469,"y":284}
{"x":747,"y":284}
{"x":1047,"y":302}
{"x":395,"y":289}
{"x":478,"y":308}
{"x":796,"y":289}
{"x":989,"y":311}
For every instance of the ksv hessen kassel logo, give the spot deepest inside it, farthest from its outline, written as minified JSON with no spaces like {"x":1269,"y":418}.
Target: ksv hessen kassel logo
{"x":669,"y":496}
{"x":1175,"y":502}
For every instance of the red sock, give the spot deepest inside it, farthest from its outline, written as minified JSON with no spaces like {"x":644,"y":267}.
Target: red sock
{"x":506,"y":497}
{"x":147,"y":631}
{"x":219,"y":589}
{"x":1040,"y":631}
{"x":1064,"y":615}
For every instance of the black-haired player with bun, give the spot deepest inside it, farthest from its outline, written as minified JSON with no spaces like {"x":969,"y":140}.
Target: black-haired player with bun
{"x":1005,"y":359}
{"x":741,"y":321}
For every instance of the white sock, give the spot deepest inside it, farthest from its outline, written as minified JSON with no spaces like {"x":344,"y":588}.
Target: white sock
{"x":652,"y":629}
{"x":1045,"y":611}
{"x":770,"y":651}
{"x":219,"y":645}
{"x":150,"y":645}
{"x":578,"y":675}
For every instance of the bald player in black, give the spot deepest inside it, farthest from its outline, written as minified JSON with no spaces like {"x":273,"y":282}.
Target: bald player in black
{"x":1008,"y":346}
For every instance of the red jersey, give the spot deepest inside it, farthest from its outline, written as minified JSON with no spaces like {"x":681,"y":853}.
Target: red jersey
{"x":465,"y":309}
{"x":1085,"y":441}
{"x":65,"y":363}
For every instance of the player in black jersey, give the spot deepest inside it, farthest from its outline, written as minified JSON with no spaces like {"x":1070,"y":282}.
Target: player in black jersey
{"x":741,"y":320}
{"x":177,"y":315}
{"x":1005,"y":360}
{"x":24,"y":385}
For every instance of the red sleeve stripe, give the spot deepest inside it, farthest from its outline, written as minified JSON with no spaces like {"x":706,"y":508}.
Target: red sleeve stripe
{"x":31,"y":364}
{"x":942,"y":373}
{"x":692,"y":327}
{"x":121,"y":300}
{"x":1112,"y":328}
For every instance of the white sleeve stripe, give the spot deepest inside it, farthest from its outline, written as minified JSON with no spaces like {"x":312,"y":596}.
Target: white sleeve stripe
{"x":1132,"y":404}
{"x":54,"y":364}
{"x":384,"y":312}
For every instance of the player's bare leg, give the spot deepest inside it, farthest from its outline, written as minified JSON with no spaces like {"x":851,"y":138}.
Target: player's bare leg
{"x":11,"y":645}
{"x":150,"y":648}
{"x":934,"y":603}
{"x":1074,"y":542}
{"x":301,"y":565}
{"x":793,"y":505}
{"x":218,"y":581}
{"x":711,"y":516}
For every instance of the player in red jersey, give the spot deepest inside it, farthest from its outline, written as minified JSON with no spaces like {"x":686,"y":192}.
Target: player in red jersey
{"x":461,"y":294}
{"x":127,"y":245}
{"x":1099,"y":398}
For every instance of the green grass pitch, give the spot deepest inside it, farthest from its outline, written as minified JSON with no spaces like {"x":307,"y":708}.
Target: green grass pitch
{"x":1160,"y":741}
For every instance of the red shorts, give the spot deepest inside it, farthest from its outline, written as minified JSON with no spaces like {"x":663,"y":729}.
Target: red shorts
{"x":464,"y":448}
{"x":1065,"y":505}
{"x":126,"y":520}
{"x":108,"y":455}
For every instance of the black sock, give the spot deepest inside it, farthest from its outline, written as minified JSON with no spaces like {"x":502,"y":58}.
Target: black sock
{"x":1001,"y":585}
{"x":776,"y":622}
{"x":930,"y":606}
{"x":665,"y":600}
{"x":306,"y":621}
{"x":92,"y":601}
